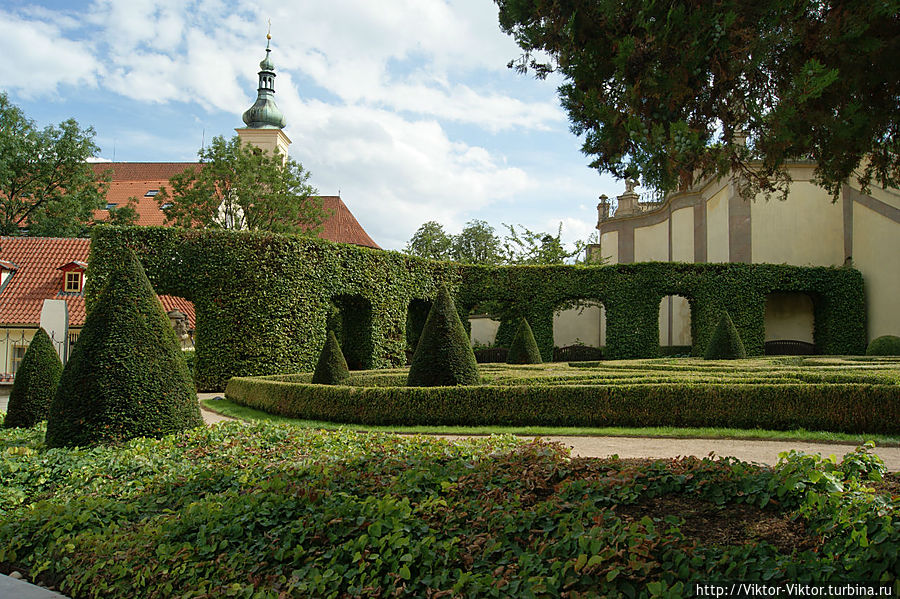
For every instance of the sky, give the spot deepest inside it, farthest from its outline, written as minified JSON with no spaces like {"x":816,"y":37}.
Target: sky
{"x":405,"y":108}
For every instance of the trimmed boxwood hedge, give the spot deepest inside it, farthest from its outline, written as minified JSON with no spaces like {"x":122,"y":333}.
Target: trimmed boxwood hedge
{"x":262,"y":300}
{"x":443,"y":356}
{"x":127,"y":376}
{"x":850,"y":408}
{"x":332,"y":367}
{"x":35,"y":384}
{"x":726,"y":342}
{"x":524,"y":349}
{"x":886,"y":345}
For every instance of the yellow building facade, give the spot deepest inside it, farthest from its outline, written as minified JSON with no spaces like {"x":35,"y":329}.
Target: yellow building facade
{"x":712,"y":223}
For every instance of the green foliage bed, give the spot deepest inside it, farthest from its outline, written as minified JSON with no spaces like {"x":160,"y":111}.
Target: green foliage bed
{"x":276,"y":511}
{"x":853,"y":395}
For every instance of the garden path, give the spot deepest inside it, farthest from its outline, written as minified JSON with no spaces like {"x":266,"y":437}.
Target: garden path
{"x":748,"y":450}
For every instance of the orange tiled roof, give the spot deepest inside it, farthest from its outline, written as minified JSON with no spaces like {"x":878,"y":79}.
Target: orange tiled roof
{"x":39,"y":277}
{"x":341,"y":225}
{"x":173,"y":302}
{"x":135,"y":179}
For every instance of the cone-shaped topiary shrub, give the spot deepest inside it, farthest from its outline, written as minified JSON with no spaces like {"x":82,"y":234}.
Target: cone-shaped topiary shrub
{"x":524,"y":349}
{"x":886,"y":345}
{"x":443,"y":355}
{"x":35,"y":383}
{"x":725,"y":343}
{"x":332,"y":367}
{"x":126,"y":376}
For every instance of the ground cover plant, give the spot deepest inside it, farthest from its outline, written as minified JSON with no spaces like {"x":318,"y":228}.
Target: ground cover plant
{"x":277,"y":511}
{"x":851,"y":395}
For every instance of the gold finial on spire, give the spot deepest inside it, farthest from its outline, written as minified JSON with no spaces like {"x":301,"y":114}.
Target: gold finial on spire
{"x":269,"y":32}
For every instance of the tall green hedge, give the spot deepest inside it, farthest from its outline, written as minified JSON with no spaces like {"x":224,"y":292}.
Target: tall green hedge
{"x":262,"y":301}
{"x":35,"y":383}
{"x":126,"y":376}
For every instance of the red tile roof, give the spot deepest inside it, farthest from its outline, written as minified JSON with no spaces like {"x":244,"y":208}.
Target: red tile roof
{"x":39,"y":277}
{"x":340,"y":225}
{"x":173,"y":302}
{"x":135,"y":179}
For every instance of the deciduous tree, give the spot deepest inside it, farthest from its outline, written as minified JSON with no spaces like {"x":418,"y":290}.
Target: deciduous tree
{"x":430,"y":241}
{"x":477,"y":244}
{"x":239,"y":186}
{"x":673,"y":91}
{"x":47,"y":187}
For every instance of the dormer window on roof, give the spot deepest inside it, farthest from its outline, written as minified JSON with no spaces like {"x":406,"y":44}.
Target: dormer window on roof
{"x":74,"y":276}
{"x":7,"y":269}
{"x":166,"y":206}
{"x":110,"y":205}
{"x":151,"y":192}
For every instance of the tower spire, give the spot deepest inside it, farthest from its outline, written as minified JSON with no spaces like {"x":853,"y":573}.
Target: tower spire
{"x":264,"y":114}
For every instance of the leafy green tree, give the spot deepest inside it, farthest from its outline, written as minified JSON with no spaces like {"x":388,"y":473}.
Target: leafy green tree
{"x":122,"y":215}
{"x":430,"y":241}
{"x":673,"y":91}
{"x":238,"y":186}
{"x":46,"y":183}
{"x":530,"y":247}
{"x":35,"y":384}
{"x":126,"y":376}
{"x":443,"y":357}
{"x":477,"y":244}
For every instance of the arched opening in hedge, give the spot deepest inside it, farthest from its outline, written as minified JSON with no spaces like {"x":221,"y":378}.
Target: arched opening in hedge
{"x":351,"y":321}
{"x":790,"y":323}
{"x":416,"y":315}
{"x":579,"y":330}
{"x":675,"y":323}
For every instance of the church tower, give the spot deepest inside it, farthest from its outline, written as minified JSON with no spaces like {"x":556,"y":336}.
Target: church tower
{"x":264,"y":120}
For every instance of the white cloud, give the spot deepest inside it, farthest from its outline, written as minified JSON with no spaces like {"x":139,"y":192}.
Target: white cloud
{"x":371,"y":92}
{"x":396,"y":174}
{"x":39,"y":58}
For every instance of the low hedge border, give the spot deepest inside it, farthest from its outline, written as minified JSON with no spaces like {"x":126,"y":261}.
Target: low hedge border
{"x":850,"y":408}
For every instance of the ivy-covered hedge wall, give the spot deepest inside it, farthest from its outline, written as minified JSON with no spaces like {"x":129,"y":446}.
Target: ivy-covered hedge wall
{"x":263,"y":301}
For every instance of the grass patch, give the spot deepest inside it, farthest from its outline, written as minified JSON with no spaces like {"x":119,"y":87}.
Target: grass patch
{"x":231,"y":409}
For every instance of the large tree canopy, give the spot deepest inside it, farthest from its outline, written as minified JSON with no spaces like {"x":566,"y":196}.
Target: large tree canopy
{"x":430,"y":241}
{"x":238,"y":186}
{"x":46,"y":185}
{"x":673,"y":91}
